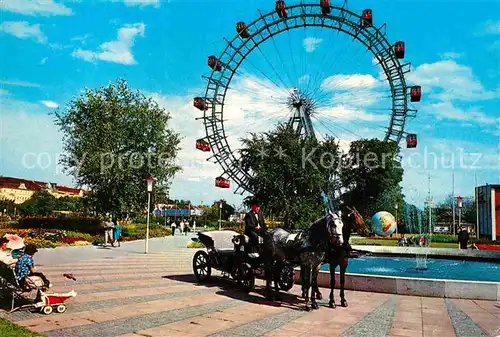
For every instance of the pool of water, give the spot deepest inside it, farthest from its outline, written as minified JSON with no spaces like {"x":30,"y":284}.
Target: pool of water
{"x":436,"y":268}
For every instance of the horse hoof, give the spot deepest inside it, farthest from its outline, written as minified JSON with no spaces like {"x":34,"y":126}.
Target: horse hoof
{"x":319,"y":296}
{"x":308,"y":308}
{"x":343,"y":303}
{"x":315,"y":306}
{"x":332,"y":305}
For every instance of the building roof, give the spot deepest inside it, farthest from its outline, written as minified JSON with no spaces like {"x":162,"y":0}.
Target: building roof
{"x":494,"y":186}
{"x":34,"y":185}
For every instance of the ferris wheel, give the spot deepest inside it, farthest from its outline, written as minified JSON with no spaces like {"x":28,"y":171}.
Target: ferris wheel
{"x":299,"y":100}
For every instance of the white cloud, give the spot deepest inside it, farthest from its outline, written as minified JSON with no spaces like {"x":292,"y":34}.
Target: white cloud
{"x":140,"y":3}
{"x":349,"y":82}
{"x":445,"y":80}
{"x":311,"y":43}
{"x":451,"y":55}
{"x":489,"y":27}
{"x":44,"y":60}
{"x":23,"y":30}
{"x":347,"y":113}
{"x":441,"y":158}
{"x":118,"y":51}
{"x":244,"y":112}
{"x":50,"y":104}
{"x":30,"y":142}
{"x":448,"y":111}
{"x":20,"y":84}
{"x":35,"y":7}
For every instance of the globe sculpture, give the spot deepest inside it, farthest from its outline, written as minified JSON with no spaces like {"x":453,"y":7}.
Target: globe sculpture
{"x":383,"y":223}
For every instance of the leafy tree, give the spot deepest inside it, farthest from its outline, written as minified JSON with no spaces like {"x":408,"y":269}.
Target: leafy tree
{"x":212,"y":212}
{"x":289,"y":173}
{"x":114,"y":138}
{"x":40,"y":203}
{"x":7,"y":205}
{"x":372,"y":173}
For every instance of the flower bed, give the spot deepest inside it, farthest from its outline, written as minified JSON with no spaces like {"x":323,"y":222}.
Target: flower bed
{"x":484,"y":246}
{"x":51,"y":238}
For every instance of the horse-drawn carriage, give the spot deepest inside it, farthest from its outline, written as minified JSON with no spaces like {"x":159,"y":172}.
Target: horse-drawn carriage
{"x":230,"y":253}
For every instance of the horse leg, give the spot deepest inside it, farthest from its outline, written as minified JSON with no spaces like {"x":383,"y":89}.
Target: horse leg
{"x":343,"y":268}
{"x":307,"y":285}
{"x":304,"y":272}
{"x":314,"y":276}
{"x":332,"y":284}
{"x":276,"y":275}
{"x":269,"y":276}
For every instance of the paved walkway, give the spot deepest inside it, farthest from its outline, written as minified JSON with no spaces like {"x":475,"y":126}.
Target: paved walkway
{"x":123,"y":292}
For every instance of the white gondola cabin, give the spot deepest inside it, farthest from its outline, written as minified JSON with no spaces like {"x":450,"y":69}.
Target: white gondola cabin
{"x":411,"y":140}
{"x":202,"y":145}
{"x":399,"y":49}
{"x":415,"y":93}
{"x":222,"y":182}
{"x":281,"y":9}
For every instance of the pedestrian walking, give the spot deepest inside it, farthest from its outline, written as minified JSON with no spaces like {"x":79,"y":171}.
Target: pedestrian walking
{"x":172,"y":227}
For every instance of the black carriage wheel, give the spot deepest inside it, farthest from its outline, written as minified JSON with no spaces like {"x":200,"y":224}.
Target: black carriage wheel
{"x":286,"y":279}
{"x":248,"y":278}
{"x":201,"y":266}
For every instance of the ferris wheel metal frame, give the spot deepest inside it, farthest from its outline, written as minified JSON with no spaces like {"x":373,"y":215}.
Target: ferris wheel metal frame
{"x":359,"y":26}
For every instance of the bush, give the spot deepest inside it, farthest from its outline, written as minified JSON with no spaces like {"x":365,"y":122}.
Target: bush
{"x":138,"y":231}
{"x":82,"y":236}
{"x":236,"y":229}
{"x":193,"y":244}
{"x":40,"y":243}
{"x":78,"y":224}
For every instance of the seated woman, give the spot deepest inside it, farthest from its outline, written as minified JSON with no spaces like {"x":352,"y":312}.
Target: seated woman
{"x":5,"y":257}
{"x":26,"y":271}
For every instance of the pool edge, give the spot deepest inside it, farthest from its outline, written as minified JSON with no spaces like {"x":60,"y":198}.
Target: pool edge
{"x":458,"y":289}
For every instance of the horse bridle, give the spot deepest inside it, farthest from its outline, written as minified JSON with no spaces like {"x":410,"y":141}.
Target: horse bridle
{"x":329,"y":226}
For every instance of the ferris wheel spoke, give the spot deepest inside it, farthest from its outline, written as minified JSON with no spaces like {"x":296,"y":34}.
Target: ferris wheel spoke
{"x":277,"y":86}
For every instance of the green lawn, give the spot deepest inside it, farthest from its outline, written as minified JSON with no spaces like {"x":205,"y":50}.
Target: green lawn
{"x":394,"y":243}
{"x":7,"y":329}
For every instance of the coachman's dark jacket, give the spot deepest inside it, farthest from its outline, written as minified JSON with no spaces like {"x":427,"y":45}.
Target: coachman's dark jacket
{"x":251,"y":223}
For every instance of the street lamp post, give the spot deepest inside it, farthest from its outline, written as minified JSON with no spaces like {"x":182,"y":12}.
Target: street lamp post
{"x":150,"y":181}
{"x":459,"y":205}
{"x":396,"y":207}
{"x":220,"y":214}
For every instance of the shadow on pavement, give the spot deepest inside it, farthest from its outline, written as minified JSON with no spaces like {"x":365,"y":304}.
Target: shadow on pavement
{"x":229,"y":288}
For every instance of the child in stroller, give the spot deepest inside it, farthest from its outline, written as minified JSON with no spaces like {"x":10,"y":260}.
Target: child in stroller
{"x":29,"y":279}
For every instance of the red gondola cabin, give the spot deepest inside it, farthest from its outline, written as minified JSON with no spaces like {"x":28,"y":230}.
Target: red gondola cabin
{"x":202,"y":145}
{"x":214,"y":63}
{"x":281,"y":9}
{"x":200,"y":103}
{"x":411,"y":140}
{"x":222,"y":183}
{"x":367,"y":18}
{"x":415,"y":93}
{"x":325,"y":7}
{"x":399,"y":49}
{"x":242,"y":30}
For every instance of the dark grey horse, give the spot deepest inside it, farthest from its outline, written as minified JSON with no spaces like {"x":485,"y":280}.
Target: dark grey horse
{"x":306,"y":248}
{"x":336,"y":255}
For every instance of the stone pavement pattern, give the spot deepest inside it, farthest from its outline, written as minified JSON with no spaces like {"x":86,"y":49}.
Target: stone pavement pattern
{"x":128,"y":294}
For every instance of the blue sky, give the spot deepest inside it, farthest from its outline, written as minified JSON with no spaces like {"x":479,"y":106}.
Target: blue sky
{"x":53,"y":49}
